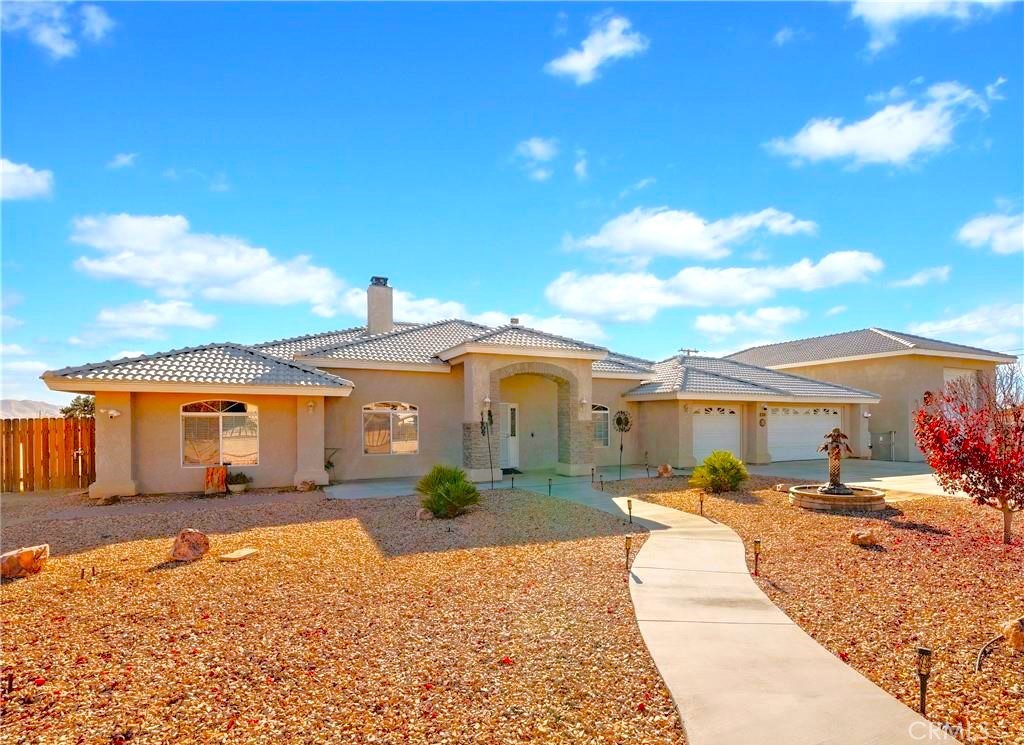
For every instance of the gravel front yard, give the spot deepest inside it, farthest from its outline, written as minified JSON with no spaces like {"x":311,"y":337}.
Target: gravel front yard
{"x":355,"y":623}
{"x":942,"y":578}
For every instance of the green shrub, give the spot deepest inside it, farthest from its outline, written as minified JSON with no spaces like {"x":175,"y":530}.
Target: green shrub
{"x":721,"y":471}
{"x":446,"y":491}
{"x":238,"y":477}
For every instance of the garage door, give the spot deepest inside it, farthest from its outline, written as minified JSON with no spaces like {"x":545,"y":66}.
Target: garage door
{"x":796,"y":432}
{"x":716,"y":428}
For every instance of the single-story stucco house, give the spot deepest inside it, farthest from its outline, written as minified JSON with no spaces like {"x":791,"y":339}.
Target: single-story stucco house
{"x":900,"y":367}
{"x":392,"y":399}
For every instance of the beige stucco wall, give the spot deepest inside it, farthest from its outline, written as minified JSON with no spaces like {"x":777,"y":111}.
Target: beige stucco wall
{"x":900,"y":382}
{"x":538,"y":419}
{"x":609,"y":392}
{"x":439,"y":397}
{"x":156,"y":442}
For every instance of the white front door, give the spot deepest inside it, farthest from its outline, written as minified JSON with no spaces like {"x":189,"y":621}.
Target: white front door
{"x":796,"y":432}
{"x":508,"y":448}
{"x":716,"y":428}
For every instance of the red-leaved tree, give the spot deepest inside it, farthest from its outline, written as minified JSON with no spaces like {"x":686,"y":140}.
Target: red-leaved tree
{"x":972,"y":435}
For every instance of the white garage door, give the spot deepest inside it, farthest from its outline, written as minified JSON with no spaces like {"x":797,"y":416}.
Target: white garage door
{"x":716,"y":428}
{"x":796,"y":432}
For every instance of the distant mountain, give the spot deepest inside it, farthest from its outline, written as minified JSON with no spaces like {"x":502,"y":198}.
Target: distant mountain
{"x":13,"y":408}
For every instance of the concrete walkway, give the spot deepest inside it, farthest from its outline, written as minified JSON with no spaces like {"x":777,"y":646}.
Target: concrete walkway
{"x":739,"y":669}
{"x":895,"y":478}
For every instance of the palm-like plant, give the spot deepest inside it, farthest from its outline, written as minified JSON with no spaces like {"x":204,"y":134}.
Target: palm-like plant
{"x":836,"y":446}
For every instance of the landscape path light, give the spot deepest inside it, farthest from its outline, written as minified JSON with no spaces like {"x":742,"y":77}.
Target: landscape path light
{"x":629,"y":546}
{"x":924,"y":669}
{"x":757,"y":555}
{"x":629,"y":506}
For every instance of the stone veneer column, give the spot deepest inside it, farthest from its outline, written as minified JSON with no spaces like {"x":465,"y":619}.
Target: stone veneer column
{"x":309,"y":440}
{"x":114,"y":446}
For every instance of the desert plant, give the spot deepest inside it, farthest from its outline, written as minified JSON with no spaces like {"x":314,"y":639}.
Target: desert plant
{"x":237,"y":477}
{"x":721,"y":471}
{"x":446,"y":491}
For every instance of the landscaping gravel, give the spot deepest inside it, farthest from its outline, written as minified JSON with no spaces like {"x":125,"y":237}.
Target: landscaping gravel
{"x":355,"y":622}
{"x":940,"y":578}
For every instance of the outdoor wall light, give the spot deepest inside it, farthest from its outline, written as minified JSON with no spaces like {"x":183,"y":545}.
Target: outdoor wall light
{"x":487,"y":401}
{"x":924,"y":669}
{"x":311,"y":406}
{"x":583,"y":400}
{"x":757,"y":555}
{"x":112,"y":413}
{"x":867,"y":414}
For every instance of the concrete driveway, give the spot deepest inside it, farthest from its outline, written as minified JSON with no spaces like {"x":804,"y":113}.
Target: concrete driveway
{"x":894,"y":477}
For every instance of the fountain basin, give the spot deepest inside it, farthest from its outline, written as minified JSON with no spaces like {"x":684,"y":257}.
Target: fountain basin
{"x":862,"y":499}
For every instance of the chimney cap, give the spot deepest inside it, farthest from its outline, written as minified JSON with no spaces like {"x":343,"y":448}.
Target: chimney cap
{"x":379,"y":281}
{"x":514,"y":321}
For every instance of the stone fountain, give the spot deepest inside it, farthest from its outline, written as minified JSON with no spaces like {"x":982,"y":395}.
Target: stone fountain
{"x":835,"y":495}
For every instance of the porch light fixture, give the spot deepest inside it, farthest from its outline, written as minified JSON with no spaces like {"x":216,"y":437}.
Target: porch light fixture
{"x":487,"y":402}
{"x":757,"y":555}
{"x":924,"y":669}
{"x":311,"y":406}
{"x":583,"y":400}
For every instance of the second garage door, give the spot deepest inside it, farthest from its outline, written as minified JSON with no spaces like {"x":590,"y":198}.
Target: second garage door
{"x":796,"y":432}
{"x":716,"y":428}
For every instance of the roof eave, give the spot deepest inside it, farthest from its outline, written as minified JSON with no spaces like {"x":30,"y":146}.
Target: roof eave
{"x":754,"y":398}
{"x":358,"y":364}
{"x":999,"y":359}
{"x":82,"y":385}
{"x":622,"y":375}
{"x":510,"y":350}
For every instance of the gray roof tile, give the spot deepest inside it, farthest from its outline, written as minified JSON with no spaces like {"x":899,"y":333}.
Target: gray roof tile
{"x":710,"y":376}
{"x":311,"y":343}
{"x":514,"y":335}
{"x":849,"y":344}
{"x":225,"y":364}
{"x":623,"y":363}
{"x":416,"y":345}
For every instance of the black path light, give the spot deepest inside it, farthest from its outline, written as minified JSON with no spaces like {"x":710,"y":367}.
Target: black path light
{"x":629,"y":506}
{"x":924,"y":669}
{"x":623,"y":423}
{"x":629,"y":546}
{"x":757,"y":555}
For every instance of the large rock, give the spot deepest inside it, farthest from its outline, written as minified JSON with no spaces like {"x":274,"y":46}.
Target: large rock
{"x":24,"y":562}
{"x":864,"y":537}
{"x":424,"y":514}
{"x":189,"y":545}
{"x":1013,"y":632}
{"x":664,"y":470}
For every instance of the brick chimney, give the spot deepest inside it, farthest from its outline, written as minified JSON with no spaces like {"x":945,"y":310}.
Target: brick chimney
{"x":380,"y":313}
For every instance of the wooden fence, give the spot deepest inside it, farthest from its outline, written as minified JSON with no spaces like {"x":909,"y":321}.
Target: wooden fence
{"x":41,"y":454}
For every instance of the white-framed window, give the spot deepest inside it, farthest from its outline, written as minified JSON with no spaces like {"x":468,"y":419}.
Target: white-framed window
{"x":219,"y":433}
{"x":391,"y":428}
{"x":602,"y":434}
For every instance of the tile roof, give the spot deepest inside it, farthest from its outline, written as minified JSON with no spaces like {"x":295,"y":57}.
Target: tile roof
{"x":710,"y":376}
{"x":514,"y":335}
{"x":851,"y":344}
{"x":416,"y":345}
{"x":311,"y":343}
{"x":225,"y":364}
{"x":623,"y":363}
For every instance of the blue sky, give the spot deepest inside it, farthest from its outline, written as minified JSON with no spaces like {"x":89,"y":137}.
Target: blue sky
{"x":649,"y":177}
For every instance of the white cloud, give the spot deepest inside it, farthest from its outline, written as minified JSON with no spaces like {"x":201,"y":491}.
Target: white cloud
{"x":646,"y":232}
{"x":534,"y":153}
{"x":885,"y":17}
{"x":95,"y":22}
{"x":895,"y":135}
{"x":638,"y":296}
{"x":998,"y":327}
{"x":992,"y":89}
{"x":835,"y":310}
{"x":581,"y":165}
{"x":638,"y":186}
{"x":1003,"y":233}
{"x":122,"y":160}
{"x":768,"y":321}
{"x":13,"y":349}
{"x":923,"y":277}
{"x":26,"y":366}
{"x":54,"y":26}
{"x":896,"y":93}
{"x":10,"y":322}
{"x":127,"y":353}
{"x":788,"y":34}
{"x":610,"y":39}
{"x":22,"y":181}
{"x":163,"y":252}
{"x":146,"y":320}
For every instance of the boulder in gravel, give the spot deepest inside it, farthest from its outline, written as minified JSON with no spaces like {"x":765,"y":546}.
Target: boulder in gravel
{"x":190,"y":545}
{"x":864,"y":537}
{"x":664,"y":470}
{"x":23,"y":562}
{"x":424,"y":514}
{"x":1013,"y":632}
